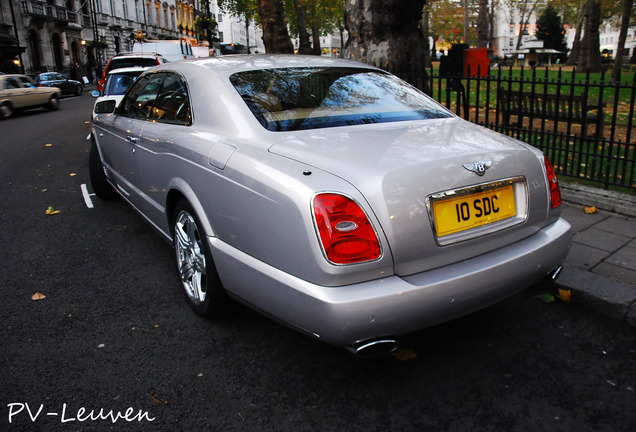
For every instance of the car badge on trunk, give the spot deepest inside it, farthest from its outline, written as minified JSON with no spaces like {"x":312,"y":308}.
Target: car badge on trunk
{"x":478,"y":168}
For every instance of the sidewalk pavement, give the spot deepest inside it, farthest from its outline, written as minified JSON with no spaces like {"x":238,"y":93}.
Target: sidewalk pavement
{"x":600,"y":270}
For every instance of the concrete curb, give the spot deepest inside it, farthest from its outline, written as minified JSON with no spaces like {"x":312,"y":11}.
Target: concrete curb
{"x":609,"y":296}
{"x":615,"y":202}
{"x":613,"y":298}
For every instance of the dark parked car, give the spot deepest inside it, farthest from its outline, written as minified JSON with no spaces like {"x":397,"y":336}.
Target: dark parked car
{"x":56,"y":79}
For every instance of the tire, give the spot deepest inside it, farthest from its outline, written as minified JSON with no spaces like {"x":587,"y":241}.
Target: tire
{"x":78,"y":90}
{"x":199,"y":278}
{"x":6,"y":110}
{"x":54,"y":103}
{"x":102,"y":188}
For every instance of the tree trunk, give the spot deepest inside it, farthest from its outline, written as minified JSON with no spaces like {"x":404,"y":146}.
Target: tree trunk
{"x":385,"y":33}
{"x":494,"y":4}
{"x":482,"y":24}
{"x":315,"y":37}
{"x":590,"y":59}
{"x":275,"y":36}
{"x":618,"y":60}
{"x":575,"y":52}
{"x":303,"y":36}
{"x":425,"y":30}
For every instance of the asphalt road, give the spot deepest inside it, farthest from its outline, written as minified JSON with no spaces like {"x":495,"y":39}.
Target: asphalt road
{"x":114,"y":345}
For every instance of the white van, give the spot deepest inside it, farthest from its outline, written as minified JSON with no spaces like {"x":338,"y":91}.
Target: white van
{"x":171,"y":50}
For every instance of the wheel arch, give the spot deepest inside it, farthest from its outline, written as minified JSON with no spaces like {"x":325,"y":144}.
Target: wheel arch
{"x":180,"y":189}
{"x":8,"y":103}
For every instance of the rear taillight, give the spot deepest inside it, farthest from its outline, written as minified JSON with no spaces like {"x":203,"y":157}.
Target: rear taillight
{"x":553,"y":184}
{"x":345,"y":232}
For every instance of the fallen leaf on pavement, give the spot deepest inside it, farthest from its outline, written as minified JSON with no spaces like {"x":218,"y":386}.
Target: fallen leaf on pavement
{"x":565,"y":295}
{"x":38,"y":296}
{"x":590,"y":210}
{"x":158,"y":399}
{"x":72,"y":174}
{"x":548,"y":298}
{"x":51,"y":211}
{"x":404,"y":354}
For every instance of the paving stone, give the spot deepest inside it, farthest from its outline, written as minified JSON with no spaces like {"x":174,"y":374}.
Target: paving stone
{"x":604,"y":240}
{"x":624,"y":257}
{"x":618,"y":225}
{"x":580,"y":220}
{"x":585,"y":257}
{"x":616,"y":272}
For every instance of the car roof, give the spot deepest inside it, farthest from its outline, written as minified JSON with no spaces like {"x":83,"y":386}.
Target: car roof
{"x":230,"y":64}
{"x":138,"y":55}
{"x":126,"y":70}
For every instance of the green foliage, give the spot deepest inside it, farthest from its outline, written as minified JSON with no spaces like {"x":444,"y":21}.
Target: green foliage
{"x":205,"y":27}
{"x":551,"y":31}
{"x":327,"y":16}
{"x":241,"y":8}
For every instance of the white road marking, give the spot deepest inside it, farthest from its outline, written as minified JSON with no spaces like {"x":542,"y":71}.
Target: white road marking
{"x":87,"y":196}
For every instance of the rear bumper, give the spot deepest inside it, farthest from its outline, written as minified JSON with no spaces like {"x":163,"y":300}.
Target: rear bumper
{"x":394,"y":305}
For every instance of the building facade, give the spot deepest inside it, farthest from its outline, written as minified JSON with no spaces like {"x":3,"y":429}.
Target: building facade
{"x":77,"y":37}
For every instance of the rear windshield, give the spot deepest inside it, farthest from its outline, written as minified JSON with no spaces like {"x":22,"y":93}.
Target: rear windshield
{"x":119,"y":83}
{"x":312,"y":98}
{"x":131,"y":62}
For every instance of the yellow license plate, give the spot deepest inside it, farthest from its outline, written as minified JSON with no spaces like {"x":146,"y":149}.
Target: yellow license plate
{"x":469,"y":211}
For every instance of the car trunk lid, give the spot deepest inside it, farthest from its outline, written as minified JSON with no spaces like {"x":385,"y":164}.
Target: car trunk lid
{"x":403,"y":169}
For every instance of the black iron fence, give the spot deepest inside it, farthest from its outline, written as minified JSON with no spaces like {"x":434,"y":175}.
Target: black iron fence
{"x":583,"y":123}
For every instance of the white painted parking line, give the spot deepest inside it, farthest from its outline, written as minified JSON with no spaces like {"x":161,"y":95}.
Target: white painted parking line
{"x":87,"y":196}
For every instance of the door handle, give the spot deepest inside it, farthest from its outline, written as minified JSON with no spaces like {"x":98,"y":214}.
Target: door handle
{"x":132,"y":139}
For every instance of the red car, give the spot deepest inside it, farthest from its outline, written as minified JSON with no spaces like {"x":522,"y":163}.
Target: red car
{"x":130,"y":60}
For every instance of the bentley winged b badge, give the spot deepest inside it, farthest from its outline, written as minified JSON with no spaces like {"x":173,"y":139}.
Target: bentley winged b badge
{"x":478,"y":168}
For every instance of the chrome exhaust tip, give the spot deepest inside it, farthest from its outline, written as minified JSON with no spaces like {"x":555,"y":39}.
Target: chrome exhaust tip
{"x":373,"y":348}
{"x":555,"y":273}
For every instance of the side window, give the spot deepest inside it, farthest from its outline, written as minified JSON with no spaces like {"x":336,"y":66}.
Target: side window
{"x":26,"y":82}
{"x":173,"y":103}
{"x":141,"y":97}
{"x":12,"y":83}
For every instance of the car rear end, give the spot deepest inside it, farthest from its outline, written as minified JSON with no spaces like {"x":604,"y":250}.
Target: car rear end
{"x":415,"y":222}
{"x":128,"y":61}
{"x":394,"y":252}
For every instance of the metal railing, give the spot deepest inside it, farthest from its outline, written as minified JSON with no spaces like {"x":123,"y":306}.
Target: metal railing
{"x":583,"y":123}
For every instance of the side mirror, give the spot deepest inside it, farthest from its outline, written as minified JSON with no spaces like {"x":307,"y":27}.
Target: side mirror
{"x":96,"y":93}
{"x":105,"y":107}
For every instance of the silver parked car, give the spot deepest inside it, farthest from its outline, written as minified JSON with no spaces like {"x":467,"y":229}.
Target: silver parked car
{"x":329,"y":195}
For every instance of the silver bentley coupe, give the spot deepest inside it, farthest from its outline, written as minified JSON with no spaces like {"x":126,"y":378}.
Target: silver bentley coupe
{"x":328,"y":195}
